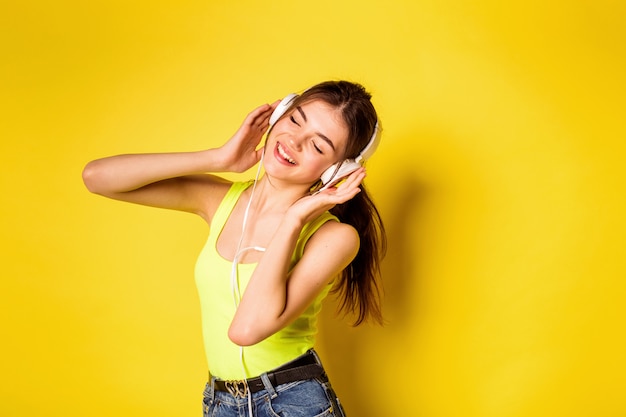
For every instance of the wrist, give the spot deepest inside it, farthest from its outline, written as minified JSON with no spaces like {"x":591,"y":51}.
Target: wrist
{"x":214,"y":160}
{"x":291,"y":224}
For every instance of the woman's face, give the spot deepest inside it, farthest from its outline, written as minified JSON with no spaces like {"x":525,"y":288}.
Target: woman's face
{"x":305,"y":142}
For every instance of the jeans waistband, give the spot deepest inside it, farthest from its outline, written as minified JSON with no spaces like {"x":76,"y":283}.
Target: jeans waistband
{"x":306,"y":366}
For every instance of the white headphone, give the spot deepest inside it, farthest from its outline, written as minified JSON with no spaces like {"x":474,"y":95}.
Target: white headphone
{"x":340,"y":169}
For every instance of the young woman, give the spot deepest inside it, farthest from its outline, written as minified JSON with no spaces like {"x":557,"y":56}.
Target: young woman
{"x":277,"y":244}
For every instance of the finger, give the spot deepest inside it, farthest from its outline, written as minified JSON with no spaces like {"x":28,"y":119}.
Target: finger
{"x":264,"y":119}
{"x":343,"y":196}
{"x":269,"y":112}
{"x":353,"y":180}
{"x":255,"y":116}
{"x":275,"y":104}
{"x":264,"y":122}
{"x":259,"y":110}
{"x":259,"y":153}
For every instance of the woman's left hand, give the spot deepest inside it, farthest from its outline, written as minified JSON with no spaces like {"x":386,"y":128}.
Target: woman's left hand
{"x":311,"y":206}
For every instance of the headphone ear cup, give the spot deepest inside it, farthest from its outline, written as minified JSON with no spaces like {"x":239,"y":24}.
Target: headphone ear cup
{"x":282,"y":108}
{"x":328,"y":174}
{"x":346,"y":168}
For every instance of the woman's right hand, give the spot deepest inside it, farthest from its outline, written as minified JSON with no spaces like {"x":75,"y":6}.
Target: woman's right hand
{"x":240,"y":152}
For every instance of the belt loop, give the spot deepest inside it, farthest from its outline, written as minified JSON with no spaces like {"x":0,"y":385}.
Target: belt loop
{"x":211,"y":387}
{"x":323,"y":377}
{"x":317,"y":358}
{"x":268,"y":386}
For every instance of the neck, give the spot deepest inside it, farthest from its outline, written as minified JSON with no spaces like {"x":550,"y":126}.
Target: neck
{"x":272,"y":195}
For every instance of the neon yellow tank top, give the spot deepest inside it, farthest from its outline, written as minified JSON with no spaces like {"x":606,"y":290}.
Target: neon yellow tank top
{"x":212,"y":275}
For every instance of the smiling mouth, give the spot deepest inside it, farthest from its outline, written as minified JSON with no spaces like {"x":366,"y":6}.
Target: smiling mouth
{"x":284,"y":154}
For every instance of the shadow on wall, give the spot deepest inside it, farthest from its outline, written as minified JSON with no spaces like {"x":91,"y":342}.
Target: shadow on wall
{"x":403,"y":255}
{"x":347,"y":351}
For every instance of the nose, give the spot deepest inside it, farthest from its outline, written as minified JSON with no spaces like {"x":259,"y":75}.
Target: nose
{"x":295,"y":141}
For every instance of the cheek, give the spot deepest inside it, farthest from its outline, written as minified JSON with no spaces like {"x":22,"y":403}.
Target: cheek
{"x":319,"y":165}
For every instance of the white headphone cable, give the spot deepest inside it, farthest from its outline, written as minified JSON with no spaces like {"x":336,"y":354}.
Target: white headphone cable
{"x":234,"y":273}
{"x":234,"y":276}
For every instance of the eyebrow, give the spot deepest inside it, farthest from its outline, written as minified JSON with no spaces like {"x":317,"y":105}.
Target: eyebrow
{"x":324,"y":137}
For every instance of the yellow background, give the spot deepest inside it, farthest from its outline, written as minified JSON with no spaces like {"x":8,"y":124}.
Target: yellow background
{"x":500,"y":178}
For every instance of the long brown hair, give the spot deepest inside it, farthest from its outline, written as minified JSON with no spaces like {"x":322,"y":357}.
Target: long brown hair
{"x":358,"y":286}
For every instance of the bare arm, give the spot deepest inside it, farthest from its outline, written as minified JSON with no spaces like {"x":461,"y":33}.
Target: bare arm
{"x":274,"y":297}
{"x":178,"y":180}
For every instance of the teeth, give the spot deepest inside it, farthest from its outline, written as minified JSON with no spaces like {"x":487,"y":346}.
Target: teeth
{"x":282,"y":153}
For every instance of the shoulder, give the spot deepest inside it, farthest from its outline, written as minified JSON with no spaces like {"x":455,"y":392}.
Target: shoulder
{"x":335,"y":237}
{"x":329,"y":250}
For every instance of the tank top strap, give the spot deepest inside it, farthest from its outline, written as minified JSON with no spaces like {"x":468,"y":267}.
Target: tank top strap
{"x":228,"y":204}
{"x":226,"y":207}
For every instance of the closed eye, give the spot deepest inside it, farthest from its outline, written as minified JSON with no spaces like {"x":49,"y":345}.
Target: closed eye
{"x":317,"y":148}
{"x":322,"y":136}
{"x":293,"y":120}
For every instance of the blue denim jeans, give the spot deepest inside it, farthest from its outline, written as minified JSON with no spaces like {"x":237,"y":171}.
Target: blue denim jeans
{"x":309,"y":398}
